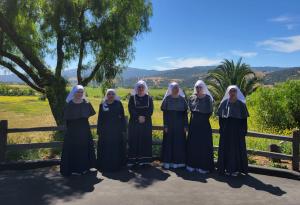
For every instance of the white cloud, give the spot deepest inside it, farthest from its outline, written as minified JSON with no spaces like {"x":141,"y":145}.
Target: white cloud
{"x":163,"y":58}
{"x":171,"y":63}
{"x":243,"y":53}
{"x":191,"y":62}
{"x":284,"y":44}
{"x":282,"y":19}
{"x":291,"y":26}
{"x":289,"y":21}
{"x":157,"y":67}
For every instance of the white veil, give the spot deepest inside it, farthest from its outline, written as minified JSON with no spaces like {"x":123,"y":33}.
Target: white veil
{"x":111,"y":90}
{"x":139,"y":83}
{"x":240,"y":95}
{"x":204,"y":87}
{"x":74,"y":91}
{"x":170,"y":88}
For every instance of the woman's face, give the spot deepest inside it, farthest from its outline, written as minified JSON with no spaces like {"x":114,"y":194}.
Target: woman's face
{"x":141,"y":90}
{"x":199,"y":90}
{"x":233,"y":94}
{"x":175,"y":90}
{"x":111,"y":96}
{"x":79,"y":94}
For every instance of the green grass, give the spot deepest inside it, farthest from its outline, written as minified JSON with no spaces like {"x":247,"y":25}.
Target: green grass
{"x":29,"y":111}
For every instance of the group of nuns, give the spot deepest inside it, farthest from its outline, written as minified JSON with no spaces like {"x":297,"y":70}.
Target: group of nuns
{"x":186,"y":143}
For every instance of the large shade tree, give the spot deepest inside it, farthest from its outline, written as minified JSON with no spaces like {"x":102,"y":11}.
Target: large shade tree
{"x":231,"y":73}
{"x":96,"y":34}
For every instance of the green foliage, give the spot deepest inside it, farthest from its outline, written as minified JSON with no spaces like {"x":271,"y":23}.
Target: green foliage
{"x":98,"y":35}
{"x":277,"y":107}
{"x":6,"y":90}
{"x":229,"y":73}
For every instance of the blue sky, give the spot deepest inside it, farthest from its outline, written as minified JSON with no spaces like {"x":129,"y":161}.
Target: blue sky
{"x":188,"y":33}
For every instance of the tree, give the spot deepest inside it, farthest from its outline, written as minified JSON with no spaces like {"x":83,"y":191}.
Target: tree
{"x":97,"y":34}
{"x":229,"y":73}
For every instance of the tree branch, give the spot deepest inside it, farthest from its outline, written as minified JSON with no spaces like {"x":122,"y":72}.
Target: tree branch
{"x":10,"y":67}
{"x":60,"y":54}
{"x":22,"y":65}
{"x":86,"y":80}
{"x":82,"y":46}
{"x":27,"y":52}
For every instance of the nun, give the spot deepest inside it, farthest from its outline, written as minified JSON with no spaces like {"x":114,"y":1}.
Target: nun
{"x":233,"y":114}
{"x":174,"y":107}
{"x":111,"y":129}
{"x":140,"y":108}
{"x":78,"y":154}
{"x":199,"y":141}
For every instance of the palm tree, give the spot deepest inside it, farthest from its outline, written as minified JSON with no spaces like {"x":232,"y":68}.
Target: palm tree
{"x":229,"y":73}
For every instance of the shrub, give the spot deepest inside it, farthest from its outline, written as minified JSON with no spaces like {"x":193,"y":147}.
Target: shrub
{"x":277,"y":107}
{"x":6,"y":90}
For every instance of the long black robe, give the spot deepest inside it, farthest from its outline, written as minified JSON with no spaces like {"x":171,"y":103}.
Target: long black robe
{"x":176,"y":120}
{"x":232,"y":153}
{"x":111,"y":128}
{"x":199,"y":142}
{"x":78,"y":153}
{"x":140,"y":134}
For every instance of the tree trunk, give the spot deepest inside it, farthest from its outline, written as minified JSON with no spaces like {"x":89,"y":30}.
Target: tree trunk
{"x":56,"y":94}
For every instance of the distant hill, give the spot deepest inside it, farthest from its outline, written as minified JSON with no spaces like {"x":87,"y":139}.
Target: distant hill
{"x":186,"y":76}
{"x":282,"y":75}
{"x":183,"y":75}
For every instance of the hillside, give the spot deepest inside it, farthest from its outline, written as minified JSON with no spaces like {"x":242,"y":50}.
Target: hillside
{"x":282,"y":75}
{"x":186,"y":76}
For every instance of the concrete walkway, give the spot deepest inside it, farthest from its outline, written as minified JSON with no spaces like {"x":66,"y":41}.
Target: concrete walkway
{"x":149,"y":185}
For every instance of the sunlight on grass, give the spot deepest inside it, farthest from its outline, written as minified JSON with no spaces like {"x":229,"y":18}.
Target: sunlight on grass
{"x":29,"y":111}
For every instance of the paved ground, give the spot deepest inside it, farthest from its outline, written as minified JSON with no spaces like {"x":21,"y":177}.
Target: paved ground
{"x":144,"y":186}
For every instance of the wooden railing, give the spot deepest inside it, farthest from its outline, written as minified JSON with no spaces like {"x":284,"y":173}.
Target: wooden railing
{"x":4,"y":147}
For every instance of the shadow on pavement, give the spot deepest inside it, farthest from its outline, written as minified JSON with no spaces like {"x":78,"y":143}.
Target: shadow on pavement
{"x":42,"y":187}
{"x":251,"y":181}
{"x":141,"y":177}
{"x":234,"y":182}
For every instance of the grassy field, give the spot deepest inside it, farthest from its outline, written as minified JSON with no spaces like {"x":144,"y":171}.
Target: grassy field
{"x":29,"y":111}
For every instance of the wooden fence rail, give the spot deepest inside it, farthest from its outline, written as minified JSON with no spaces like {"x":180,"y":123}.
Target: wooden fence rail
{"x":4,"y":147}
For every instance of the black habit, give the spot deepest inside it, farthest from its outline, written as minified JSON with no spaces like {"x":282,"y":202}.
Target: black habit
{"x":78,"y":154}
{"x":111,"y":152}
{"x":176,"y":121}
{"x":232,"y":153}
{"x":140,"y":134}
{"x":199,"y":142}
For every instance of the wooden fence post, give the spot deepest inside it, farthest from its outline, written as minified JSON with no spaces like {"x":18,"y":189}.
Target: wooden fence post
{"x":3,"y":139}
{"x":296,"y":146}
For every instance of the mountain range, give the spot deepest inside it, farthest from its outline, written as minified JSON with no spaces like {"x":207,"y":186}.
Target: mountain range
{"x":186,"y":76}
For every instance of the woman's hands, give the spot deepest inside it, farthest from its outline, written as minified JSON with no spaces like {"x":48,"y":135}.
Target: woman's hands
{"x":141,"y":119}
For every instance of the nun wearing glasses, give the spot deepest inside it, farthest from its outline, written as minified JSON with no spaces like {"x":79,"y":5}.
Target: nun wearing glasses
{"x":78,"y":154}
{"x":233,"y":114}
{"x":111,"y":128}
{"x":199,"y":141}
{"x":140,"y":108}
{"x":174,"y":107}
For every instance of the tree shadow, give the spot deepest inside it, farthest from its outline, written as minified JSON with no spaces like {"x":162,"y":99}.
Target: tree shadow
{"x":251,"y":181}
{"x":44,"y":186}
